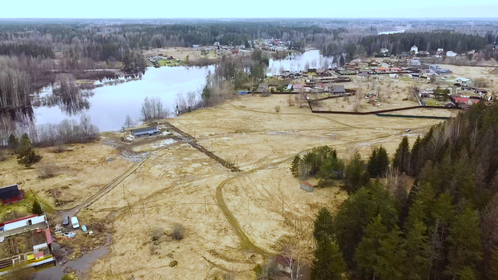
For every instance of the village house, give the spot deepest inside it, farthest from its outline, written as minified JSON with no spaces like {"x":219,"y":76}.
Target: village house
{"x":396,"y":69}
{"x":11,"y":194}
{"x":414,"y":50}
{"x":424,"y":53}
{"x":381,"y":70}
{"x":337,"y":89}
{"x":451,"y":54}
{"x":415,"y":62}
{"x":440,"y":51}
{"x":25,"y":242}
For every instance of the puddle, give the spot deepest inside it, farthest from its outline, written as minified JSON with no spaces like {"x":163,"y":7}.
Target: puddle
{"x":81,"y":266}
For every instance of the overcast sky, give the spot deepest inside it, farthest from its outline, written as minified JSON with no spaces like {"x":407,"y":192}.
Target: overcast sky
{"x":247,"y":9}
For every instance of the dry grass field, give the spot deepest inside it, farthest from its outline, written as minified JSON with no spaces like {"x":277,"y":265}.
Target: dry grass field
{"x":182,"y":185}
{"x":231,"y":221}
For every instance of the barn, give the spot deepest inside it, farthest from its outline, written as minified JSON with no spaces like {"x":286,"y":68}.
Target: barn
{"x":148,"y":131}
{"x":11,"y":194}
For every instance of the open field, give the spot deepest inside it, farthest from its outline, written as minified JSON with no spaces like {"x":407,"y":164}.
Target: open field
{"x":232,"y":220}
{"x":182,"y":185}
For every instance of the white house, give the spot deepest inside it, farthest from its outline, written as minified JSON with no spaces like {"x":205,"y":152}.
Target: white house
{"x":451,"y":54}
{"x":384,"y":50}
{"x":415,"y":62}
{"x":414,"y":49}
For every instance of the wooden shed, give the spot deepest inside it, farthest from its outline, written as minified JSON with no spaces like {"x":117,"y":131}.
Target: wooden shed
{"x":307,"y":186}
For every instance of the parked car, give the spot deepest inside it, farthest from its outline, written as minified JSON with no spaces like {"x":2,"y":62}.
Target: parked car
{"x":74,"y":222}
{"x":65,"y":222}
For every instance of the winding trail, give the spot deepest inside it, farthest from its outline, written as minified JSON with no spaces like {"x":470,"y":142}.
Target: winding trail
{"x":245,"y":240}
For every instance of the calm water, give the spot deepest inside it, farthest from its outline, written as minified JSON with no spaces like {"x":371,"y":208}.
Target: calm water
{"x":110,"y":104}
{"x":298,"y":62}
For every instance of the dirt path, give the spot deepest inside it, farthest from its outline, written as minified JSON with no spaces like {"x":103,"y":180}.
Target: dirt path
{"x":293,"y":114}
{"x":103,"y":191}
{"x":245,"y":240}
{"x":193,"y":142}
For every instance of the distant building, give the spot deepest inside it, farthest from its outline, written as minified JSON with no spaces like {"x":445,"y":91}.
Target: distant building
{"x":148,"y":131}
{"x":451,"y":54}
{"x":440,"y":51}
{"x":381,"y":70}
{"x":195,"y":46}
{"x":395,"y":69}
{"x":384,"y":50}
{"x":415,"y":62}
{"x":414,"y":50}
{"x":337,"y":89}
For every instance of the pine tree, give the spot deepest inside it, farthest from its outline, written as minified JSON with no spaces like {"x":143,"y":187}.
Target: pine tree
{"x":401,"y":159}
{"x":356,"y":174}
{"x":465,"y":250}
{"x":357,"y":212}
{"x":417,"y":157}
{"x":367,"y":252}
{"x":392,"y":257}
{"x":372,"y":165}
{"x":417,"y":250}
{"x":328,"y":263}
{"x":13,"y":143}
{"x":324,"y":224}
{"x":378,"y":163}
{"x":37,"y":209}
{"x":492,"y":264}
{"x":442,"y":210}
{"x":383,"y":161}
{"x":295,"y":166}
{"x":27,"y":154}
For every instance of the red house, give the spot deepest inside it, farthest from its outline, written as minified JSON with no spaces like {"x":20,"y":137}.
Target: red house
{"x":381,"y":70}
{"x":11,"y":194}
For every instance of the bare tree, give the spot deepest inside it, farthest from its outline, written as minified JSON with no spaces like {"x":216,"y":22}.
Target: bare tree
{"x":294,"y":261}
{"x":128,"y":121}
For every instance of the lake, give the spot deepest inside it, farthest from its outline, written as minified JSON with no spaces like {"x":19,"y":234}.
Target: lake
{"x":110,"y":104}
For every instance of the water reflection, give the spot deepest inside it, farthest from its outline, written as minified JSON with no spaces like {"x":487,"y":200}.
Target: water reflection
{"x":110,"y":105}
{"x":298,"y":62}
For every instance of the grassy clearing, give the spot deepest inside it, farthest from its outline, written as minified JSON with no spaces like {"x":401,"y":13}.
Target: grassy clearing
{"x":171,"y":62}
{"x":23,"y":208}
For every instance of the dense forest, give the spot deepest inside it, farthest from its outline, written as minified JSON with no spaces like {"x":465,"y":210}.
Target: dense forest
{"x":400,"y":43}
{"x":444,"y":228}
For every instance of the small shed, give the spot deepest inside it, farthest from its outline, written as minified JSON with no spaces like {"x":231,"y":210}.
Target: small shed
{"x":337,"y":89}
{"x":307,"y":186}
{"x":148,"y":131}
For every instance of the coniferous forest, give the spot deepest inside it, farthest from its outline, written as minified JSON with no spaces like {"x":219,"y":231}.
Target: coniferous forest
{"x":444,"y":227}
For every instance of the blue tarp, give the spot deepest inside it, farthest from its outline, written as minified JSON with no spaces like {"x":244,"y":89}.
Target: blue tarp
{"x":243,"y":92}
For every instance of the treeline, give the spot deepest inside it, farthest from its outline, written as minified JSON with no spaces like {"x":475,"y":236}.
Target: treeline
{"x":27,"y":49}
{"x":66,"y":132}
{"x":104,"y":41}
{"x":230,"y":74}
{"x":444,"y":228}
{"x":428,"y":41}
